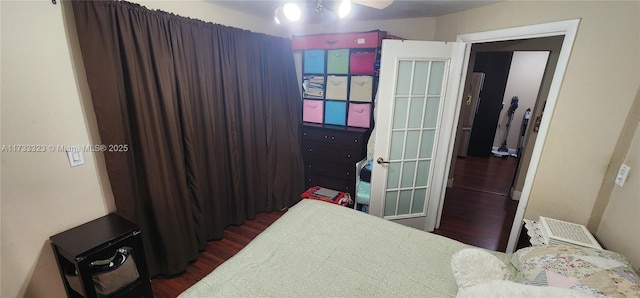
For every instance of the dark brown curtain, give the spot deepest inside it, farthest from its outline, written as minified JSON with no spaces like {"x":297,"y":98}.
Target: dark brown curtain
{"x":209,"y":114}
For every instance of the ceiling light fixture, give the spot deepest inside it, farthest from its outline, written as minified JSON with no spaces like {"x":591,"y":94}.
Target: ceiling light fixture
{"x":288,"y":13}
{"x":291,"y":11}
{"x":344,"y":9}
{"x":275,"y":15}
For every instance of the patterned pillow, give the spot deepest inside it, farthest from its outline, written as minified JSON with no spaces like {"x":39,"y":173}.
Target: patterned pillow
{"x":594,"y":271}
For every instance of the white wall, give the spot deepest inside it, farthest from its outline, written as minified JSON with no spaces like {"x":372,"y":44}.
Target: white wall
{"x":42,"y":104}
{"x":618,"y":230}
{"x":209,"y":12}
{"x":525,"y":76}
{"x":602,"y":78}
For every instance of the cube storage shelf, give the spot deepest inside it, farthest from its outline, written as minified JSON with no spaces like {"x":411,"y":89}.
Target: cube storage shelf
{"x":340,"y":77}
{"x":339,"y":83}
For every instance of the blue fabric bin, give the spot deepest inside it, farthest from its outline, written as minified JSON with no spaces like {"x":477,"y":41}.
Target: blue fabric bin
{"x":313,"y":61}
{"x":335,"y":112}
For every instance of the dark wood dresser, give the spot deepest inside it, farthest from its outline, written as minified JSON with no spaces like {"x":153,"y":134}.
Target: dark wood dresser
{"x":330,"y":155}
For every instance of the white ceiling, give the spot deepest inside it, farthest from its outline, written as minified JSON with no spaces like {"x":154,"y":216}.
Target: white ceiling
{"x":399,"y":9}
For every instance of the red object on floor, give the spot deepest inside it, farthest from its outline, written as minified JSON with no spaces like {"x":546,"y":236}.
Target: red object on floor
{"x":327,"y":195}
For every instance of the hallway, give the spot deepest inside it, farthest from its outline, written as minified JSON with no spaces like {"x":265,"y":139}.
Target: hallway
{"x":478,"y":209}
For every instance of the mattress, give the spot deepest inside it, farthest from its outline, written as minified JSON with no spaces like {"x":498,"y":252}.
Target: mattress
{"x":322,"y":249}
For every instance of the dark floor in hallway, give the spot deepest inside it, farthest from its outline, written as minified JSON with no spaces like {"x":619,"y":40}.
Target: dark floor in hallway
{"x":478,"y":209}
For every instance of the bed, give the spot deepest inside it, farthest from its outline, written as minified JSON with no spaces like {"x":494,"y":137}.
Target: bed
{"x":321,"y":249}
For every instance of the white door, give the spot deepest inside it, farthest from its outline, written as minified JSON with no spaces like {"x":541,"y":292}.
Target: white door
{"x":416,"y":113}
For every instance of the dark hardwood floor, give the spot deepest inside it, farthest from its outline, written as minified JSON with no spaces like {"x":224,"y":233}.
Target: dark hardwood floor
{"x":217,"y":251}
{"x":492,"y":174}
{"x":477,"y":211}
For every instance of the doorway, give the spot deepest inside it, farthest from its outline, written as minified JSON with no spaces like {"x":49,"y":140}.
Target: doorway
{"x":495,"y":67}
{"x":567,"y":30}
{"x":499,"y":220}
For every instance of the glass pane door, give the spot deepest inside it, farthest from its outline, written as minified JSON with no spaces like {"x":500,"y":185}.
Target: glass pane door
{"x":416,"y":111}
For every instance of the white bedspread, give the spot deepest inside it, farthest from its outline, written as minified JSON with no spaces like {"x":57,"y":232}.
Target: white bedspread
{"x":320,"y":249}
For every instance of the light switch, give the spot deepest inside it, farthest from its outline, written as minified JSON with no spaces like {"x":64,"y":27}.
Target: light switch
{"x":622,"y":174}
{"x":76,"y":157}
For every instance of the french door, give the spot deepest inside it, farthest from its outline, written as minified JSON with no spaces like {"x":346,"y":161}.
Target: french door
{"x":416,"y":115}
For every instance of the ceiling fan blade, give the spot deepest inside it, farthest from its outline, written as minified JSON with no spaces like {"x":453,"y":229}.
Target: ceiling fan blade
{"x":379,"y":4}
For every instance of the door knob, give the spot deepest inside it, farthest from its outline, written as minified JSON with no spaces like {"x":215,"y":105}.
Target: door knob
{"x":380,"y":161}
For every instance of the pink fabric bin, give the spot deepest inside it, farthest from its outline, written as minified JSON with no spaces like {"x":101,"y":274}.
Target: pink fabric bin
{"x":362,"y":63}
{"x":359,"y":115}
{"x":312,"y":111}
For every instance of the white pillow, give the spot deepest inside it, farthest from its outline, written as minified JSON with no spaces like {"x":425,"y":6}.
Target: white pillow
{"x":473,"y":266}
{"x":508,"y":289}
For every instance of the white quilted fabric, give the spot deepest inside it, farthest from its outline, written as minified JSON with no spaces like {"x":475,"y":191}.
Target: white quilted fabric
{"x":473,"y":266}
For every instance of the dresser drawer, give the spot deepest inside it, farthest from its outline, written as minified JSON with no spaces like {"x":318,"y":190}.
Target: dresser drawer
{"x":321,"y":167}
{"x":331,"y":153}
{"x":353,"y":137}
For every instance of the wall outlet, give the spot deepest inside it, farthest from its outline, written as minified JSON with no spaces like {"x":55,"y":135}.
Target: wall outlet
{"x":622,"y":174}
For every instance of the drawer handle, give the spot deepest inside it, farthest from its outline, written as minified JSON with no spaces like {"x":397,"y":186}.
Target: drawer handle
{"x":331,"y":41}
{"x":310,"y":149}
{"x":333,"y":138}
{"x":355,"y":140}
{"x":348,"y":155}
{"x":326,"y":137}
{"x":304,"y":134}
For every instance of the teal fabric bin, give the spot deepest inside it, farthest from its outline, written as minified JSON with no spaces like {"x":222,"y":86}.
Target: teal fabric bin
{"x":338,"y":61}
{"x":335,"y":112}
{"x":363,"y":193}
{"x":313,"y":61}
